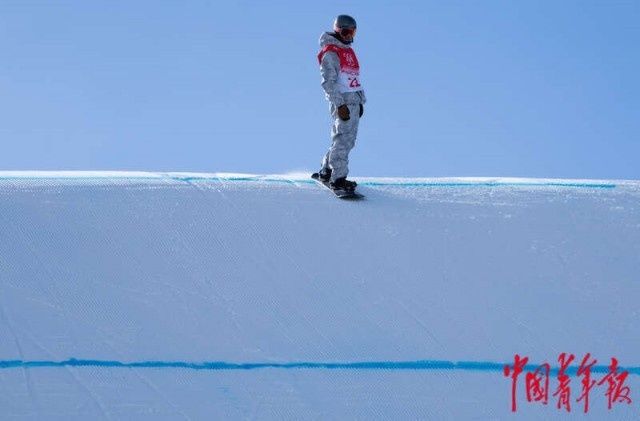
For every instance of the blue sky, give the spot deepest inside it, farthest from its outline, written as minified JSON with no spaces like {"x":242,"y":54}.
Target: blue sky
{"x":455,"y":88}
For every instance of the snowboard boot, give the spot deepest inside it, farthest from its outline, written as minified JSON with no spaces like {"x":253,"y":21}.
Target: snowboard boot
{"x":324,"y":175}
{"x":343,"y":184}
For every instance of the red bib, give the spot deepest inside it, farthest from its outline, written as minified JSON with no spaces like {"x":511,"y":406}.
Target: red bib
{"x":349,"y":77}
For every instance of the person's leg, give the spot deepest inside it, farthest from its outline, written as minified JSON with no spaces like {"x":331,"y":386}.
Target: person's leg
{"x":325,"y":159}
{"x":343,"y":135}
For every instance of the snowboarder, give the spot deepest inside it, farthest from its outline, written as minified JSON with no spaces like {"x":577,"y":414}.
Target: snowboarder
{"x":341,"y":83}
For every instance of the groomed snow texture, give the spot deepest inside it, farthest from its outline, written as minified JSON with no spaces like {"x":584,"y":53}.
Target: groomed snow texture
{"x":231,"y":296}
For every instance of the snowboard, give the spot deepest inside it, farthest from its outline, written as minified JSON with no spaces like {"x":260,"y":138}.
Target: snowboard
{"x":341,"y":194}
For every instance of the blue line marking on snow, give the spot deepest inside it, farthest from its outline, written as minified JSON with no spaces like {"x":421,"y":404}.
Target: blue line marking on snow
{"x":410,"y":183}
{"x":189,"y":179}
{"x":490,"y":184}
{"x":421,"y":365}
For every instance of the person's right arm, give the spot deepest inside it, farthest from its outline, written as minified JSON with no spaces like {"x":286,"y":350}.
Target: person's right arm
{"x":330,"y":70}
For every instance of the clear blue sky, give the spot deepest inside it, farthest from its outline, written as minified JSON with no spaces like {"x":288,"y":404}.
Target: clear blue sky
{"x":455,"y":88}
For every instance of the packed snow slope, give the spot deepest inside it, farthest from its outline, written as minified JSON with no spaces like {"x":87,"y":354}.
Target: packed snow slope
{"x":218,"y":296}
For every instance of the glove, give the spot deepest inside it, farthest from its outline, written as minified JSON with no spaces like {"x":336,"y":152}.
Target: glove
{"x":343,"y":112}
{"x":361,"y":110}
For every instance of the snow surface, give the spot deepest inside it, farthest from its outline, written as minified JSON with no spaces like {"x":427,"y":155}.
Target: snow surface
{"x":214,"y":296}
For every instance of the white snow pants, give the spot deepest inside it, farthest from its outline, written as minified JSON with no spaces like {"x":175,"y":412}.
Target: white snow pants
{"x":343,"y":139}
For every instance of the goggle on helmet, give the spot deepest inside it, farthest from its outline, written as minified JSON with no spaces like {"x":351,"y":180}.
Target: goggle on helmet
{"x":345,"y":25}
